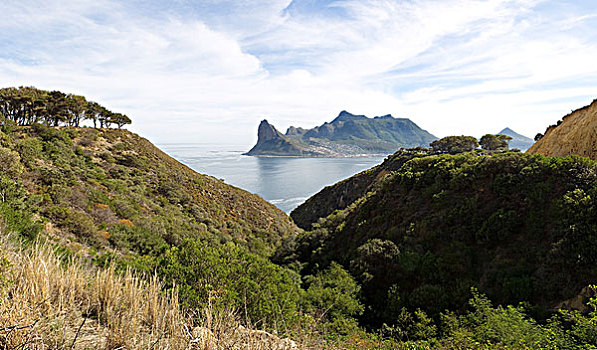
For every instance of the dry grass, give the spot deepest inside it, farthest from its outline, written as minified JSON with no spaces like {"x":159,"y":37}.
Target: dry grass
{"x":46,"y":303}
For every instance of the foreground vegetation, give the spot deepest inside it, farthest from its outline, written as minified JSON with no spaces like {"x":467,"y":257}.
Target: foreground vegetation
{"x":51,"y":302}
{"x":48,"y":301}
{"x":114,"y":244}
{"x":519,"y":228}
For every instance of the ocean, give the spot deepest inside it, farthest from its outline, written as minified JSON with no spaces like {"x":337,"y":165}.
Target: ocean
{"x":284,"y":182}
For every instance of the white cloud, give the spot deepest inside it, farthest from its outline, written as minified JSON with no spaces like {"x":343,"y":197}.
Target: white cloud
{"x":209,"y":71}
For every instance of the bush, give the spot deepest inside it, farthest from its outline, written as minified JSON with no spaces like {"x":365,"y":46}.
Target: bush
{"x":265,"y":294}
{"x":333,"y":294}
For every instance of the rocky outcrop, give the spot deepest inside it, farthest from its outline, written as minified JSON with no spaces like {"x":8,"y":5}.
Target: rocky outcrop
{"x":270,"y":142}
{"x":575,"y":134}
{"x":579,"y":302}
{"x":266,"y":132}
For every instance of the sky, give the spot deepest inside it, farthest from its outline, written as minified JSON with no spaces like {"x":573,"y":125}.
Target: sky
{"x":207,"y":71}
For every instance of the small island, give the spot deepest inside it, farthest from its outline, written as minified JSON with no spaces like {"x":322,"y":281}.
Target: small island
{"x":348,"y":135}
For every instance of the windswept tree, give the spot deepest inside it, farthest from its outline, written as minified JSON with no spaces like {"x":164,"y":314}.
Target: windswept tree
{"x":119,"y":119}
{"x":57,"y":108}
{"x":77,"y":107}
{"x":491,"y":142}
{"x":454,"y":144}
{"x":28,"y":105}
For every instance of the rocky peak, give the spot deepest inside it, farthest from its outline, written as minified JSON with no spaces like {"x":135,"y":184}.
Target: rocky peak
{"x":295,"y":131}
{"x":387,"y":116}
{"x":507,"y":131}
{"x":266,"y":132}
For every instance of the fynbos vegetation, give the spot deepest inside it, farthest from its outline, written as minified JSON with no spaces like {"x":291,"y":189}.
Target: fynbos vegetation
{"x":109,"y":243}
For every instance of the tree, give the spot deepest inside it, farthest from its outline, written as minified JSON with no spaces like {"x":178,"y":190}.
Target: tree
{"x":491,"y":142}
{"x":333,"y":293}
{"x":28,"y":105}
{"x":77,"y":107}
{"x":454,"y":144}
{"x":93,"y":112}
{"x":119,"y":119}
{"x":538,"y":137}
{"x":57,"y":108}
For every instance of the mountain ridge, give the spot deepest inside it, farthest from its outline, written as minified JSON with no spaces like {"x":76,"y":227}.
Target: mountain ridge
{"x":346,"y":135}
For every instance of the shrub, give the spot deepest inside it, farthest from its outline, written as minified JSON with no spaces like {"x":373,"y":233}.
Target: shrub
{"x":333,"y":294}
{"x":266,"y":294}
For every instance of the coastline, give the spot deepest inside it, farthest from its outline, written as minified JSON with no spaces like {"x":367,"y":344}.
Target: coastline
{"x":322,"y":156}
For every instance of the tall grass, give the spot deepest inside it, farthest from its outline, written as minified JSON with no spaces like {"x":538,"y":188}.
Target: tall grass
{"x":49,"y":303}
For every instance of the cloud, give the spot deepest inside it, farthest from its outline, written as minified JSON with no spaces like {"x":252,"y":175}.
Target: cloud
{"x":208,"y":71}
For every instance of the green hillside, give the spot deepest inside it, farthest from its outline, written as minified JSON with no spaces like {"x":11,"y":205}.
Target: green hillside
{"x":519,"y":228}
{"x":109,"y":195}
{"x":94,"y":183}
{"x":340,"y":195}
{"x":108,"y":242}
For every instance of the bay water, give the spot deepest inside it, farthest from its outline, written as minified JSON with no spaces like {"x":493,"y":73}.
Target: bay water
{"x":284,"y":182}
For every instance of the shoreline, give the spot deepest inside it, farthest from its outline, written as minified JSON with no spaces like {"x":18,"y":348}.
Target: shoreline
{"x":335,"y":156}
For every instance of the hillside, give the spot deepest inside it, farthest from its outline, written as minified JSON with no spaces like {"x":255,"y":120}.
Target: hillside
{"x":518,"y":141}
{"x":101,"y":181}
{"x":517,"y":227}
{"x":575,"y":134}
{"x":340,"y":195}
{"x":106,"y":242}
{"x":109,"y":195}
{"x":346,"y":135}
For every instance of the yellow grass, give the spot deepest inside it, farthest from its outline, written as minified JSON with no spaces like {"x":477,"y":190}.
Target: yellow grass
{"x":47,"y":303}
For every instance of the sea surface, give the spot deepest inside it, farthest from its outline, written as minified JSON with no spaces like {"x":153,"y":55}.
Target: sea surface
{"x":284,"y":182}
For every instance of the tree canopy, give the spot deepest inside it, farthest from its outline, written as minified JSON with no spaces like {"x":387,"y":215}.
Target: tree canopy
{"x":28,"y":105}
{"x":491,"y":142}
{"x":454,"y":144}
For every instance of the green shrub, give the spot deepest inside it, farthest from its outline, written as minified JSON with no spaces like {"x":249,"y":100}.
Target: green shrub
{"x":333,"y":294}
{"x":265,"y":293}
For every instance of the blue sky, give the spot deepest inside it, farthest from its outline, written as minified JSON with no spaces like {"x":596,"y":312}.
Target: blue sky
{"x":209,"y":71}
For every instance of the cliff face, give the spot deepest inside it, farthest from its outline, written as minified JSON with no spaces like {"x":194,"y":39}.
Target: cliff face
{"x":270,"y":142}
{"x":577,"y":134}
{"x":266,"y":132}
{"x":346,"y":135}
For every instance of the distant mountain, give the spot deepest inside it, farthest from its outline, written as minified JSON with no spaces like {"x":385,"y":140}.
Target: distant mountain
{"x":346,"y":135}
{"x":576,"y":134}
{"x":518,"y":141}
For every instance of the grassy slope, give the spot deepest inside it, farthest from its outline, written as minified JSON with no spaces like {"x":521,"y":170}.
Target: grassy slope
{"x":114,"y":189}
{"x":576,"y":134}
